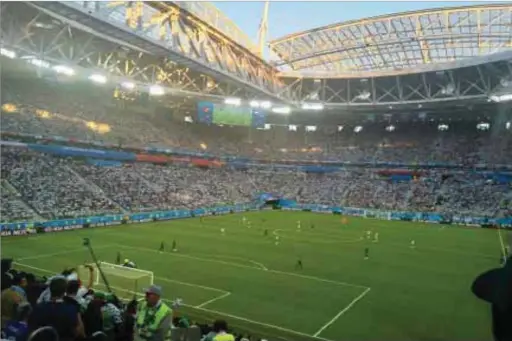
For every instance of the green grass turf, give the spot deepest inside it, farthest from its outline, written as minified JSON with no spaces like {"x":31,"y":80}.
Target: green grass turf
{"x":416,"y":294}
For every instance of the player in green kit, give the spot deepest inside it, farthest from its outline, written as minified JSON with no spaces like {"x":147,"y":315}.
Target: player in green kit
{"x":266,"y":232}
{"x":366,"y":253}
{"x":162,"y":247}
{"x":174,"y":246}
{"x":118,"y":258}
{"x":298,"y":266}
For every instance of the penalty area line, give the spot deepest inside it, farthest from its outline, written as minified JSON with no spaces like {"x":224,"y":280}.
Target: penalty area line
{"x":350,"y":305}
{"x":213,"y":300}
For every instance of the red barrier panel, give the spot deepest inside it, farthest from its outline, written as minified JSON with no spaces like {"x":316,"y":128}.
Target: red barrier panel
{"x":153,"y":158}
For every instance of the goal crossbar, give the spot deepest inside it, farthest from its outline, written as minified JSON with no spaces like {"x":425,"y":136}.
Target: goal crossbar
{"x":124,"y":272}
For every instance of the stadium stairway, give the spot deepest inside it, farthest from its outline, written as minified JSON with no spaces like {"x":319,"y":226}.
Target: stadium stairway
{"x":93,"y":187}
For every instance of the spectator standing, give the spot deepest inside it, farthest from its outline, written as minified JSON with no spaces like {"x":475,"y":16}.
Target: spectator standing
{"x":17,"y":329}
{"x":112,"y":317}
{"x":220,"y":327}
{"x":64,"y":317}
{"x":12,"y":297}
{"x":153,"y":317}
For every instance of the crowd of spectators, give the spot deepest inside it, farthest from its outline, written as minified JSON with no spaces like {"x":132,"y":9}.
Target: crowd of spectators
{"x":65,"y":307}
{"x":49,"y":109}
{"x":35,"y":184}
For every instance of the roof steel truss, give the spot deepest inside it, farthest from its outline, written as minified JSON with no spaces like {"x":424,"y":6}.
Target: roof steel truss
{"x":35,"y":33}
{"x":400,"y":41}
{"x":470,"y":83}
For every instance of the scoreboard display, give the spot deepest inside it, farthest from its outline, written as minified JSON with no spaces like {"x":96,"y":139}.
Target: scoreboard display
{"x":209,"y":112}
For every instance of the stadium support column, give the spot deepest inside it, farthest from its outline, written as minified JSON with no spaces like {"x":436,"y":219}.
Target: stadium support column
{"x":263,"y":29}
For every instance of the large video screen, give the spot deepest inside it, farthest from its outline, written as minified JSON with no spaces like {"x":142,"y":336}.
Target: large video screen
{"x":209,"y":112}
{"x":230,"y":115}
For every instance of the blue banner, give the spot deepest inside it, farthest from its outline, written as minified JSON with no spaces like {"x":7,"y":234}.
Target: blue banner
{"x":21,"y":228}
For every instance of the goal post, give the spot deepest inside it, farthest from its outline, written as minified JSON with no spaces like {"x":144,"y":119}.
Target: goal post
{"x":124,"y":281}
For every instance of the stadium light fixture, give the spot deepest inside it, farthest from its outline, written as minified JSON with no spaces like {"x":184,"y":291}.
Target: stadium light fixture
{"x":233,"y":101}
{"x":266,"y":104}
{"x":312,"y":106}
{"x":63,"y":69}
{"x":128,"y":85}
{"x":39,"y":63}
{"x":390,"y":128}
{"x":156,"y":90}
{"x":501,"y":98}
{"x":7,"y":53}
{"x":254,"y":104}
{"x":282,"y":110}
{"x":97,"y":78}
{"x":358,"y":129}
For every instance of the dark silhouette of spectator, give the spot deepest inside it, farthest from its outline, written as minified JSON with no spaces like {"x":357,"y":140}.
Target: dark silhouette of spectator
{"x":65,"y":318}
{"x":17,"y":329}
{"x":495,"y":286}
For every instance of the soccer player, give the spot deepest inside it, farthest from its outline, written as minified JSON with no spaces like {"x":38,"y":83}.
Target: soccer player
{"x":118,"y":258}
{"x":162,"y":247}
{"x":312,"y":225}
{"x":244,"y":220}
{"x":129,"y":264}
{"x":266,"y":232}
{"x":174,"y":246}
{"x":298,"y":266}
{"x":248,"y":224}
{"x":413,"y":244}
{"x":277,"y":240}
{"x":298,"y":224}
{"x":222,"y":230}
{"x":376,"y":237}
{"x":368,"y":234}
{"x":366,"y":253}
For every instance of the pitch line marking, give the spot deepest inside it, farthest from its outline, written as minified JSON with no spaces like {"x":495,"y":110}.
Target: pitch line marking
{"x":261,"y":265}
{"x":339,"y":241}
{"x":192,"y":285}
{"x":350,"y":305}
{"x":291,"y":331}
{"x":314,"y":278}
{"x":46,"y":255}
{"x":213,"y":300}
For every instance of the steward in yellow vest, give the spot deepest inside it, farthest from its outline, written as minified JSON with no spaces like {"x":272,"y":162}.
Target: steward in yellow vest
{"x":154,"y":317}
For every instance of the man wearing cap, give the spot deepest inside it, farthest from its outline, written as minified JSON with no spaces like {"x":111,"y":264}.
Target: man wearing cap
{"x":153,"y":317}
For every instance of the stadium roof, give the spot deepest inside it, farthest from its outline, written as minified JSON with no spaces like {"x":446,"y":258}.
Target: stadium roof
{"x":399,"y":41}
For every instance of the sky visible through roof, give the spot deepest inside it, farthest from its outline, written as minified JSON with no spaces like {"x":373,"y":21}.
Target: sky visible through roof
{"x":290,"y":17}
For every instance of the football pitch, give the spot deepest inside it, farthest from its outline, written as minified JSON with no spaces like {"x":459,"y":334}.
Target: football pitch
{"x":251,"y":279}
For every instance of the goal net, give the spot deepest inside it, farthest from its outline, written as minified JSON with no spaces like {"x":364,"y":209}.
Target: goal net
{"x":125,"y":282}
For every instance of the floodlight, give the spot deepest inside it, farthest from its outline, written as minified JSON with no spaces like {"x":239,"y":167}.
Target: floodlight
{"x":282,"y":110}
{"x":266,"y":104}
{"x":233,"y":101}
{"x":156,"y":90}
{"x":312,"y":106}
{"x":254,"y":104}
{"x":7,"y":53}
{"x":39,"y":63}
{"x":63,"y":69}
{"x":128,"y":85}
{"x":97,"y":78}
